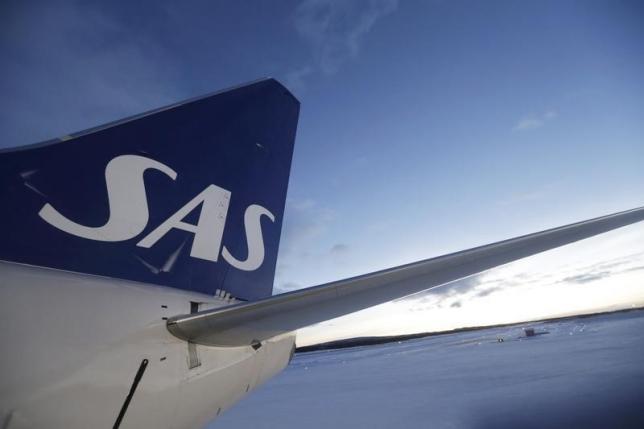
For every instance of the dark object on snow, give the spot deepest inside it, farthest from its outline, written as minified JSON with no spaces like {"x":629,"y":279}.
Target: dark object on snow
{"x":529,"y":332}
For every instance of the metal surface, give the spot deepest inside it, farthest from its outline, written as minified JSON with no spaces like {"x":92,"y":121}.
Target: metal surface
{"x":70,"y":342}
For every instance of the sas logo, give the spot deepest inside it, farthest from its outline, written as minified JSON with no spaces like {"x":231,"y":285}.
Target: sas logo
{"x":129,"y":215}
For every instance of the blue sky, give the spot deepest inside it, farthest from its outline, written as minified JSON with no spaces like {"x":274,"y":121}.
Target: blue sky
{"x":426,"y":127}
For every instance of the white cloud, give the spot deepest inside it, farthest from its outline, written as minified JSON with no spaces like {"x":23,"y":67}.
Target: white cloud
{"x":294,"y":79}
{"x":529,"y":123}
{"x":334,"y":30}
{"x":535,"y":121}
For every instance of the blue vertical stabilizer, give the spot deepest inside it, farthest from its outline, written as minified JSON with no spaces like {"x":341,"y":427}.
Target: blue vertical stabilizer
{"x":189,"y":196}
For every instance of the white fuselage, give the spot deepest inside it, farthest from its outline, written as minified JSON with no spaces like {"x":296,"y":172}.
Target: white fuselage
{"x":73,"y":343}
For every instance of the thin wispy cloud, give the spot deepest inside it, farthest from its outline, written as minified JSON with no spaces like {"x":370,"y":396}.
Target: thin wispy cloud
{"x":531,"y":195}
{"x":335,"y":32}
{"x":587,"y":277}
{"x":295,"y":79}
{"x":339,"y":248}
{"x":84,"y":65}
{"x":535,"y":121}
{"x":286,"y":287}
{"x":305,"y":223}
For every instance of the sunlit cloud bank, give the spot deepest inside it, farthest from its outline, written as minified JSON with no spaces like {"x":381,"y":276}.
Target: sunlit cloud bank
{"x":600,"y":274}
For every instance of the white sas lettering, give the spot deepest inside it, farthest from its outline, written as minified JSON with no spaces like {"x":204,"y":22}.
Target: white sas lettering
{"x":209,"y":229}
{"x":126,"y":197}
{"x":129,"y":215}
{"x":254,"y":239}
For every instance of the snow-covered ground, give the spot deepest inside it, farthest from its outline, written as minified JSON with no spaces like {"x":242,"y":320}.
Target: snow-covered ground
{"x":584,"y":373}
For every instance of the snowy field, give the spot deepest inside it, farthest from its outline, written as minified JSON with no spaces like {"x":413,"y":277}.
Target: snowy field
{"x":584,"y":373}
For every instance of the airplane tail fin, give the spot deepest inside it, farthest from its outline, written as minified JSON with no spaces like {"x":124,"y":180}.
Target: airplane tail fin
{"x":189,"y":196}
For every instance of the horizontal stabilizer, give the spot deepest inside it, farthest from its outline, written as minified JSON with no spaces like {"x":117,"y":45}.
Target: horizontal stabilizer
{"x":247,"y":323}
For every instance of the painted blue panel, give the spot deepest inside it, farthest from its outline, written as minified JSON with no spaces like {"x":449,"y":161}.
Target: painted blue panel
{"x":240,"y":140}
